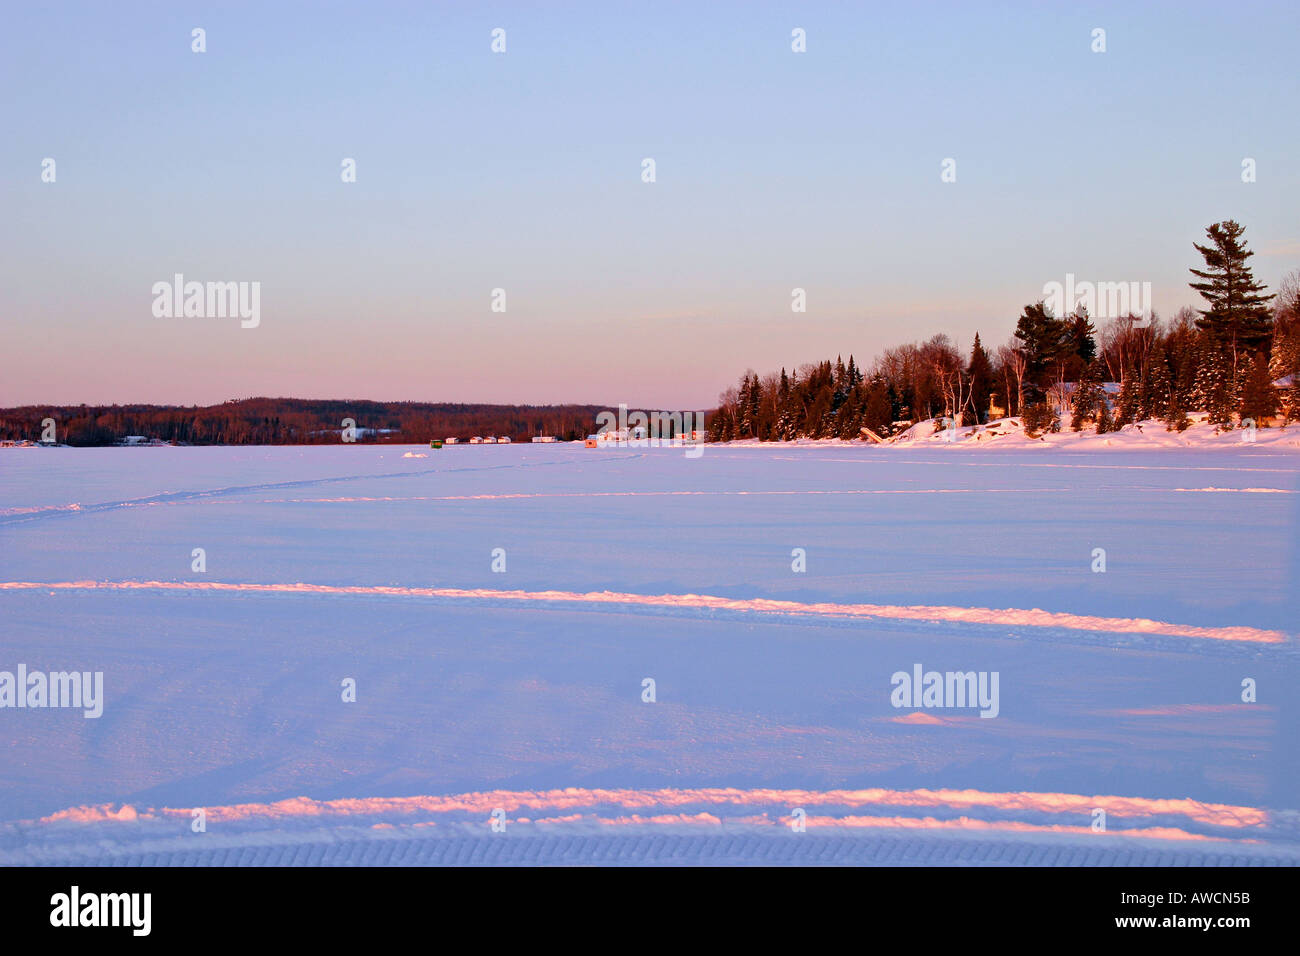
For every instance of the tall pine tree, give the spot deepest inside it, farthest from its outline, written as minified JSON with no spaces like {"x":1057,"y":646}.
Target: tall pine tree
{"x":1236,"y":316}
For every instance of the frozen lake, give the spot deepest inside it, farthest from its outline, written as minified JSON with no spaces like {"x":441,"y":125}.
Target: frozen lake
{"x":500,"y":608}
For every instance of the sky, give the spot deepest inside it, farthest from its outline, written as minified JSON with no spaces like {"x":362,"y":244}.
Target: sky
{"x":523,"y":171}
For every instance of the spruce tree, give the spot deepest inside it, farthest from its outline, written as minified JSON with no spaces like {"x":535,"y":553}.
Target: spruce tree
{"x":744,"y":422}
{"x":1184,"y":355}
{"x":855,"y":376}
{"x":1175,"y":417}
{"x":1159,"y":385}
{"x":848,"y":419}
{"x":839,"y":386}
{"x":1039,"y":417}
{"x":1104,"y":422}
{"x":1258,"y":396}
{"x":783,"y":429}
{"x":879,"y":413}
{"x":1215,"y":390}
{"x":1088,"y":396}
{"x":1081,"y":336}
{"x":980,"y":374}
{"x":1127,"y":405}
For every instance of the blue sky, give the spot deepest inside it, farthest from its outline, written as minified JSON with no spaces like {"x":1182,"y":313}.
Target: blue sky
{"x":521,"y":171}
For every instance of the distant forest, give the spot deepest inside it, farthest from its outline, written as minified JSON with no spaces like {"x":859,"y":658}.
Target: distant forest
{"x":1236,"y":360}
{"x":293,"y":421}
{"x":1222,"y":360}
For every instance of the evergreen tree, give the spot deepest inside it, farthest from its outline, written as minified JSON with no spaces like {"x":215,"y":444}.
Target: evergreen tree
{"x":1184,"y":356}
{"x":879,"y":412}
{"x":818,"y":420}
{"x":1044,"y":340}
{"x":1259,"y":397}
{"x":1040,"y":417}
{"x":855,"y":374}
{"x":755,"y":403}
{"x":1127,"y":406}
{"x":1081,"y":333}
{"x":1104,"y":422}
{"x":1088,"y":396}
{"x":1215,"y":390}
{"x":785,"y":418}
{"x":1157,"y":392}
{"x":980,"y":374}
{"x":1237,"y":317}
{"x":848,"y":418}
{"x":743,"y":421}
{"x":1175,"y":418}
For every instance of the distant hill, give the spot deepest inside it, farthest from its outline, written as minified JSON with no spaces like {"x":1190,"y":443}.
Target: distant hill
{"x":296,"y":421}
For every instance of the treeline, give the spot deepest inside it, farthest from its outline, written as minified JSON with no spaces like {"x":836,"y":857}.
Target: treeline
{"x":1221,"y":360}
{"x":291,"y":421}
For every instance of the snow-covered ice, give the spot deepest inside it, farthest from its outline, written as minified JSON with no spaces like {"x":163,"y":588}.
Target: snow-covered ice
{"x":521,"y":690}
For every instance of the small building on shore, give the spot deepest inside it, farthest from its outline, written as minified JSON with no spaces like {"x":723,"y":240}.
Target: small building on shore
{"x":138,"y":441}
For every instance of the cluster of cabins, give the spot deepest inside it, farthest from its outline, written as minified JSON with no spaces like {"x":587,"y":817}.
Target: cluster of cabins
{"x":603,"y":439}
{"x":502,"y":440}
{"x":639,"y":436}
{"x":141,"y":441}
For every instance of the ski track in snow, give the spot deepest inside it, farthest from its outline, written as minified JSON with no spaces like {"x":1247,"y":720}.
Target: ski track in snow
{"x":219,"y":496}
{"x":1009,"y":617}
{"x":19,"y":514}
{"x":224,"y":496}
{"x":579,"y":798}
{"x":14,"y":515}
{"x":681,"y":825}
{"x":1252,"y":491}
